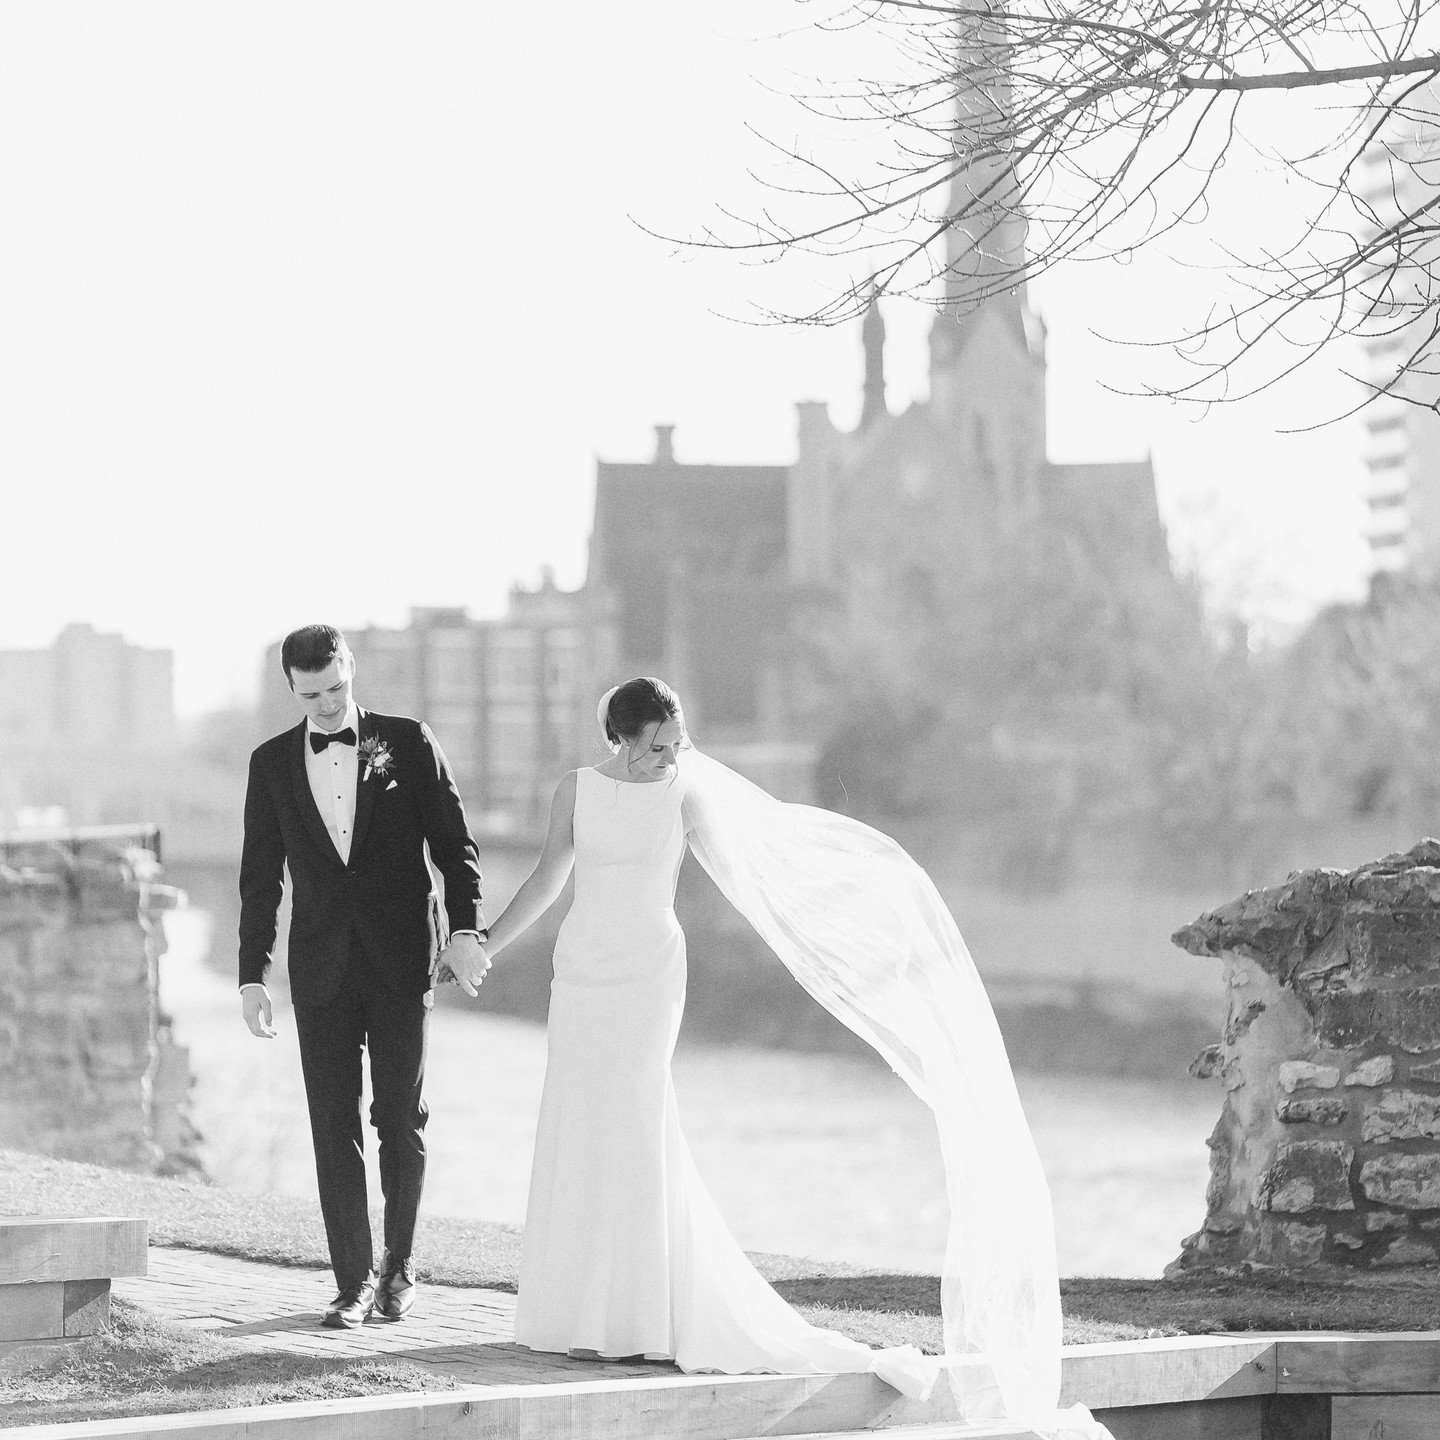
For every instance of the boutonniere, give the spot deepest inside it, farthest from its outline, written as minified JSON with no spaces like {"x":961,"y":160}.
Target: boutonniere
{"x":379,"y":757}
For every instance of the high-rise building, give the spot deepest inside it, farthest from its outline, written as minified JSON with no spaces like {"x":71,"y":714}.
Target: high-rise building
{"x":1400,"y":171}
{"x":88,"y":691}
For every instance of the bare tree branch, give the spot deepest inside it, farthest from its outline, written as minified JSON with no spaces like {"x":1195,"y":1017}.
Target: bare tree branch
{"x":987,"y":144}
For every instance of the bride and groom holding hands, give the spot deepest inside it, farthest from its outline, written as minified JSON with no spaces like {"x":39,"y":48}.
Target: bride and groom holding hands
{"x":624,"y":1254}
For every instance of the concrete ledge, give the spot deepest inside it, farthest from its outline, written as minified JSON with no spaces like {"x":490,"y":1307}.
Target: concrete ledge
{"x":38,"y":1248}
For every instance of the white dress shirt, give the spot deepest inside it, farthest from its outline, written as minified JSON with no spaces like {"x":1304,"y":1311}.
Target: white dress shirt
{"x":332,"y":773}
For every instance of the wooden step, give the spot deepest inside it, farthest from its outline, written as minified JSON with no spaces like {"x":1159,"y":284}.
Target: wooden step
{"x":948,"y":1431}
{"x":36,"y":1248}
{"x":55,"y":1273}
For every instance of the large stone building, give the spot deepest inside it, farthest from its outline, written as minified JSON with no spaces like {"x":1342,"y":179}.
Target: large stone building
{"x":714,"y":576}
{"x":718,"y":577}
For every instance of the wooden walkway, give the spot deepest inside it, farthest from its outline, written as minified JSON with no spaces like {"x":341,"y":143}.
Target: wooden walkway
{"x":1216,"y":1387}
{"x":465,"y":1334}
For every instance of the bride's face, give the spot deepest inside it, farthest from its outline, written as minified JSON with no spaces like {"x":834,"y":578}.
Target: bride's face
{"x":651,"y":754}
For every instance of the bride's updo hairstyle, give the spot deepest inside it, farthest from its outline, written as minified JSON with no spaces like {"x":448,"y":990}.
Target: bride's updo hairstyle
{"x":636,"y":704}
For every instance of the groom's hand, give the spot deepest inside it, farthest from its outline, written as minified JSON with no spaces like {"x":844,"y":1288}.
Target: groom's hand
{"x":255,"y":1007}
{"x":466,"y":960}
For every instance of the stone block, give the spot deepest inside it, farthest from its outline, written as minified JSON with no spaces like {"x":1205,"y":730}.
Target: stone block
{"x":1407,"y":1250}
{"x":1303,"y":1244}
{"x":1351,"y":1020}
{"x":1328,"y":964}
{"x":1390,"y":942}
{"x":1347,"y":1021}
{"x":1378,"y":1070}
{"x":1426,"y":1073}
{"x":1223,"y":1224}
{"x":1410,"y":1181}
{"x":1402,"y":1115}
{"x":1308,"y":1175}
{"x":1414,"y":1018}
{"x":1377,"y":1220}
{"x":1294,"y":1075}
{"x":1322,"y":1110}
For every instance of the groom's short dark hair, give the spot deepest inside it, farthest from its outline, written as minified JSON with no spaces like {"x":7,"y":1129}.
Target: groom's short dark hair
{"x":310,"y":648}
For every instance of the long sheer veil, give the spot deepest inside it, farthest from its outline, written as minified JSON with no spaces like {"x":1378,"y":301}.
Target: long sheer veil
{"x":862,"y":927}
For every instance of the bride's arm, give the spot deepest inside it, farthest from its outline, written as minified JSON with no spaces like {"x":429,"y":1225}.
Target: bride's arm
{"x":545,"y":882}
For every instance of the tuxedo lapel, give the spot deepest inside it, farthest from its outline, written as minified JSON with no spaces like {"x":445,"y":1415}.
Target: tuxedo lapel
{"x":364,"y":789}
{"x":305,"y":797}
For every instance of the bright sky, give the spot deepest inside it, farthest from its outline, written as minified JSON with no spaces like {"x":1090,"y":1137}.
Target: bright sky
{"x":325,"y":310}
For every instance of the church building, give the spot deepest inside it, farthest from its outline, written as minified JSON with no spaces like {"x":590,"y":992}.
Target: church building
{"x":712,"y":576}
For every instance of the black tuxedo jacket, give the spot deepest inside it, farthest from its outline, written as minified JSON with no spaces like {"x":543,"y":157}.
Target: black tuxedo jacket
{"x":384,"y":899}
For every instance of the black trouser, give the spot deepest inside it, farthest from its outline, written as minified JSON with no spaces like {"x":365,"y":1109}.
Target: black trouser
{"x":364,"y":1014}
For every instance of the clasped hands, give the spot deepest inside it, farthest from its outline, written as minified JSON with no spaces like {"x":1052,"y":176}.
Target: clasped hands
{"x":464,"y":961}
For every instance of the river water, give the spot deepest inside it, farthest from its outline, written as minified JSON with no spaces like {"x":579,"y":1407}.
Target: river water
{"x":821,"y":1155}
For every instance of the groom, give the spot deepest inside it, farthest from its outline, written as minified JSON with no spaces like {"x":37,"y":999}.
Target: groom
{"x":350,"y":800}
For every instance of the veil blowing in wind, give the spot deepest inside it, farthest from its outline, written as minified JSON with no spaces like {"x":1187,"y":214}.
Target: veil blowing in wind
{"x":862,"y":927}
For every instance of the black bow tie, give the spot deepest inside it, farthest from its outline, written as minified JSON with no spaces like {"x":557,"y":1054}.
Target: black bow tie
{"x":319,"y":739}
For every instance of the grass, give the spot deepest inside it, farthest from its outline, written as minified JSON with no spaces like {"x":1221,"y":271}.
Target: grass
{"x":279,"y":1228}
{"x":145,"y":1366}
{"x":154,"y":1366}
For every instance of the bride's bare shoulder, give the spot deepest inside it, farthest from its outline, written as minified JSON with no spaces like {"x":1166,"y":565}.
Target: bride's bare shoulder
{"x":564,"y":801}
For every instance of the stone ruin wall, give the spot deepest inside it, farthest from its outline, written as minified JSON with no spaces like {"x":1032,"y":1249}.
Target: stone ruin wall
{"x":1327,"y":1151}
{"x":88,"y":1070}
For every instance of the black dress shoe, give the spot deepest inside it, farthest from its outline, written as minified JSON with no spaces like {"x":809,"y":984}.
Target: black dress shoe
{"x":395,"y":1293}
{"x":351,"y":1307}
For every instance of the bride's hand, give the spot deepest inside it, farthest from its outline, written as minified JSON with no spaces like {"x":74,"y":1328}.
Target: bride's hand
{"x":464,"y":958}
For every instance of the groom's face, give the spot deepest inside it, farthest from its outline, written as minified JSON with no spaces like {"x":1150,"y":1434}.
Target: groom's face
{"x":324,"y":695}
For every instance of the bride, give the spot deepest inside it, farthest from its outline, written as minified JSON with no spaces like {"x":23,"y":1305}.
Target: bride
{"x":624,"y":1252}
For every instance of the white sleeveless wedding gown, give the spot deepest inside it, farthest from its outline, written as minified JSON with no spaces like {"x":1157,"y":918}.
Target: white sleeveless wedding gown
{"x":624,"y":1252}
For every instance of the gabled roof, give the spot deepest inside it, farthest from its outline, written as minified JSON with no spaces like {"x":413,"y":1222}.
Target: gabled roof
{"x":688,"y":511}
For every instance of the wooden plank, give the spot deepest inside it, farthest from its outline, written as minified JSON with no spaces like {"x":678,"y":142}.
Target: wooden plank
{"x":1168,"y":1371}
{"x":1296,"y":1417}
{"x":1238,"y":1418}
{"x":950,"y":1430}
{"x":46,"y":1247}
{"x":697,"y":1407}
{"x":1358,"y":1364}
{"x":1384,"y":1417}
{"x":709,"y":1407}
{"x":32,"y":1312}
{"x":1112,"y":1378}
{"x":87,"y":1306}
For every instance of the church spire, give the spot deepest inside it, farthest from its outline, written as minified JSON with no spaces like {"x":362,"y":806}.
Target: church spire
{"x":985,"y":238}
{"x":873,"y":337}
{"x":986,"y":245}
